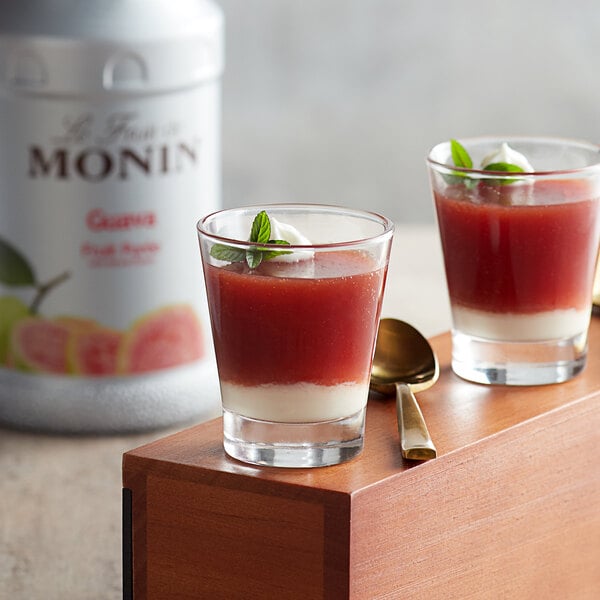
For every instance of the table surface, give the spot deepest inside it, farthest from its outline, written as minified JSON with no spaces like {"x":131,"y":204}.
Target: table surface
{"x":515,"y":485}
{"x":459,"y":415}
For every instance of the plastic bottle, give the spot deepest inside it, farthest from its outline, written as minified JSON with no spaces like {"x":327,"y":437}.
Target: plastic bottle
{"x":109,"y":154}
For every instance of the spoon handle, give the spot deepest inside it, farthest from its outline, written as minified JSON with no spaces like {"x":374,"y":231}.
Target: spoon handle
{"x":415,"y":440}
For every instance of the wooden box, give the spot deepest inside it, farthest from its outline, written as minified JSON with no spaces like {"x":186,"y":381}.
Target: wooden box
{"x":509,"y":509}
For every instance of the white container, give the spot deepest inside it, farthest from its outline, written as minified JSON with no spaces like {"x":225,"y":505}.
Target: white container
{"x":109,"y":154}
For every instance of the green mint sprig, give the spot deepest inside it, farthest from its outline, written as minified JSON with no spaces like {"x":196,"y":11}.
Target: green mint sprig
{"x":460,"y":156}
{"x":260,"y":233}
{"x":462,"y":159}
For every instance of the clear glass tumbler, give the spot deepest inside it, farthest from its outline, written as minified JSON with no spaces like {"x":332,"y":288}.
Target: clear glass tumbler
{"x":520,"y":250}
{"x":294,"y":327}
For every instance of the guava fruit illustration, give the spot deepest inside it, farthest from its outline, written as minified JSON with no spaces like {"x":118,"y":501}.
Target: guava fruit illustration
{"x":16,"y":271}
{"x":12,"y":309}
{"x":93,"y":352}
{"x":167,"y":337}
{"x":77,"y":324}
{"x":39,"y":345}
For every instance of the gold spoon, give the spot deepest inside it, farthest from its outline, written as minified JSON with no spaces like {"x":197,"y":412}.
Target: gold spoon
{"x":596,"y":292}
{"x":405,"y":363}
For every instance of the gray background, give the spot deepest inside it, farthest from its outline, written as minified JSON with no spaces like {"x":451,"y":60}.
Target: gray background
{"x":338,"y":101}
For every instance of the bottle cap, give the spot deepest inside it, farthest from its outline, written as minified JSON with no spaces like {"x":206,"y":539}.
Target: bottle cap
{"x":105,"y":48}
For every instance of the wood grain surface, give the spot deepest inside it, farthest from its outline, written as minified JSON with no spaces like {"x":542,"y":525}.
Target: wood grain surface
{"x":509,"y":509}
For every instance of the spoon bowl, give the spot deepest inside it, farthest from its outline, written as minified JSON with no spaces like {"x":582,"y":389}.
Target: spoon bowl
{"x":404,"y":363}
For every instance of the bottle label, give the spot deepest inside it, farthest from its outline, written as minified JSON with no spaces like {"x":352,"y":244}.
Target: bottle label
{"x":100,"y":272}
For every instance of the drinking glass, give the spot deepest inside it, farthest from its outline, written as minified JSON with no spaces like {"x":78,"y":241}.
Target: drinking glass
{"x":294,"y":335}
{"x":519,"y":250}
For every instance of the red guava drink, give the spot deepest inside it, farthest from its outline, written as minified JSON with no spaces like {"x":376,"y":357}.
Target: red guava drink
{"x":294,"y":294}
{"x":520,"y":238}
{"x":294,"y":340}
{"x":519,"y":258}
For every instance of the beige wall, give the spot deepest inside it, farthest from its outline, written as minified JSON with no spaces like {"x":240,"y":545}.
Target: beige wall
{"x":339,"y":100}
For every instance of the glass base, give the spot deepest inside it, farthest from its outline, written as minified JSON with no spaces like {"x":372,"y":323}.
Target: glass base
{"x":293,"y":444}
{"x":517,"y":363}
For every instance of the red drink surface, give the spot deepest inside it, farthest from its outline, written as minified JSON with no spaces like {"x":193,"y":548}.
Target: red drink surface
{"x":520,"y":258}
{"x":273,"y":326}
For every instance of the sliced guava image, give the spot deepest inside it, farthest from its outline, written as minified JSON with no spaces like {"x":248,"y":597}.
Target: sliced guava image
{"x":39,"y":345}
{"x":12,"y":309}
{"x":94,"y":352}
{"x":77,"y":324}
{"x":164,"y":338}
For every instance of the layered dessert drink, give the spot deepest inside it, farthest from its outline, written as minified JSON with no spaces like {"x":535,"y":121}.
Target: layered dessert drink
{"x":519,"y":273}
{"x":294,"y":340}
{"x":294,"y":310}
{"x":520,"y":250}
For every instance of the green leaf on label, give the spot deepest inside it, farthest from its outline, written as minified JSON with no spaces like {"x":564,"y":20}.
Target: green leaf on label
{"x":15,"y":270}
{"x":460,"y":156}
{"x":503,"y":167}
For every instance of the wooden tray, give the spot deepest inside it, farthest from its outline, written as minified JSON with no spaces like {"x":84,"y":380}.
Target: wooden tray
{"x":509,"y":509}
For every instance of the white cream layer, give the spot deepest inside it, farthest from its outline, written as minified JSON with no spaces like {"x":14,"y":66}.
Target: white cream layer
{"x":295,"y":403}
{"x":511,"y":327}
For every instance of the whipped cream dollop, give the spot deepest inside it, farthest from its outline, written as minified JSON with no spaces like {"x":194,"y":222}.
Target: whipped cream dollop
{"x":289,"y":233}
{"x":284,"y":231}
{"x":506,"y":154}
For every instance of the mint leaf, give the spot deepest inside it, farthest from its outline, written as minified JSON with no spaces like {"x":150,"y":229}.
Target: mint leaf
{"x":261,"y":228}
{"x":227,"y":253}
{"x":460,"y":156}
{"x":503,"y":167}
{"x":259,"y":233}
{"x":461,"y":159}
{"x":268,"y":254}
{"x":254,"y":258}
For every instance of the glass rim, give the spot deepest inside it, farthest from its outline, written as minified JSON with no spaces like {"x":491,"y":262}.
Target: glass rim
{"x":547,"y":140}
{"x":387,"y":224}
